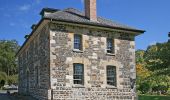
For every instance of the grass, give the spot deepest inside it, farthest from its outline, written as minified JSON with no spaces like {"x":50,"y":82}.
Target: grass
{"x":152,"y":97}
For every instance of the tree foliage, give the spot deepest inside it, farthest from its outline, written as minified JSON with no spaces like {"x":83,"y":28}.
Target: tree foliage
{"x":153,"y":68}
{"x":13,"y":79}
{"x":8,"y":49}
{"x":3,"y":78}
{"x":8,"y":64}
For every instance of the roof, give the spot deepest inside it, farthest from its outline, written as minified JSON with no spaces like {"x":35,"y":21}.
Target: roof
{"x":52,"y":10}
{"x":74,"y":15}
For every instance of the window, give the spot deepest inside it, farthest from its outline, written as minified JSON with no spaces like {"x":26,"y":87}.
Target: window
{"x":111,"y":75}
{"x":77,"y":42}
{"x":110,"y":48}
{"x":78,"y":73}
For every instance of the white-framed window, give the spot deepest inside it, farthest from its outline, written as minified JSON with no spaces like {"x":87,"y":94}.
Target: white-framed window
{"x":110,"y":45}
{"x":78,"y":76}
{"x":77,"y":41}
{"x":111,"y":75}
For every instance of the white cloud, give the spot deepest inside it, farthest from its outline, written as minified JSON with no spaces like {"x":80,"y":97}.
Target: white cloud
{"x":82,"y":1}
{"x":25,"y":25}
{"x":12,"y":24}
{"x":38,"y":1}
{"x":25,"y":7}
{"x":153,"y":43}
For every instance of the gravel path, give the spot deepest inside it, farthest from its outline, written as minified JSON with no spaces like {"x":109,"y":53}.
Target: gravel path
{"x":4,"y":96}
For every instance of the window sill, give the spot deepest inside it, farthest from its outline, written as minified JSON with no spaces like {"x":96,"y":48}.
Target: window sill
{"x":110,"y":54}
{"x":111,"y":87}
{"x":78,"y":86}
{"x":77,"y":50}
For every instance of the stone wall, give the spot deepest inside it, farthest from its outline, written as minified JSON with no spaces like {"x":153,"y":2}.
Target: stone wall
{"x":35,"y":56}
{"x":95,"y":60}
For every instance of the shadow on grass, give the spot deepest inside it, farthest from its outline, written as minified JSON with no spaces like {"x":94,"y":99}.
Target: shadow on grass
{"x":151,"y":97}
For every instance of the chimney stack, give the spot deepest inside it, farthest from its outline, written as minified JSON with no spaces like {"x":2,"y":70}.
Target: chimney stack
{"x":33,"y":26}
{"x":90,"y":10}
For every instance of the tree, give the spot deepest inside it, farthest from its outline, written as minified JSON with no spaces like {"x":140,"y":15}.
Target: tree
{"x":13,"y":79}
{"x":2,"y":83}
{"x":140,"y":57}
{"x":8,"y":49}
{"x":144,"y":87}
{"x":153,"y":68}
{"x":3,"y":78}
{"x":157,"y":58}
{"x":142,"y":71}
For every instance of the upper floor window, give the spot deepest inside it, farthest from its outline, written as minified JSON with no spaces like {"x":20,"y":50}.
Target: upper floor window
{"x":78,"y":76}
{"x":77,"y":42}
{"x":111,"y":75}
{"x":110,"y":45}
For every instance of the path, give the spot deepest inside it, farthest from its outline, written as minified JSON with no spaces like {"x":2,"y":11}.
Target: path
{"x":4,"y":96}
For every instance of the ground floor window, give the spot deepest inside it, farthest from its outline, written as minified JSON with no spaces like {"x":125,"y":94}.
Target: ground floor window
{"x":78,"y":76}
{"x":111,"y":75}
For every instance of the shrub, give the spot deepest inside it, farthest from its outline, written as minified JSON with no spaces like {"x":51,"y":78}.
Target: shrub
{"x":3,"y":78}
{"x":144,"y":87}
{"x":168,"y":91}
{"x":160,"y":89}
{"x":2,"y":83}
{"x":13,"y":79}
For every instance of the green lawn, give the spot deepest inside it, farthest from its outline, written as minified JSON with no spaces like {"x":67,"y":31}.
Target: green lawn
{"x":150,"y":97}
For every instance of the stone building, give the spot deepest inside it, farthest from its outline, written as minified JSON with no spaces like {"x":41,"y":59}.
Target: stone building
{"x":72,"y":55}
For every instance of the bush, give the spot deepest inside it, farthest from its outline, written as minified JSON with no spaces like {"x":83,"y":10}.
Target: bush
{"x":13,"y":79}
{"x":3,"y":78}
{"x":160,"y":89}
{"x":2,"y":83}
{"x":168,"y":91}
{"x":144,"y":87}
{"x":163,"y":89}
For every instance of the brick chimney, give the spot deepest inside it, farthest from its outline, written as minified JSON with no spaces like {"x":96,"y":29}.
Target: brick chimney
{"x":90,"y":9}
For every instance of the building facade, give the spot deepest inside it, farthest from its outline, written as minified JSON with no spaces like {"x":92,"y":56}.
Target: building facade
{"x":74,"y":56}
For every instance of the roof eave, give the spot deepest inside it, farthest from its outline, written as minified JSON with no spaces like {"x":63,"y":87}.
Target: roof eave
{"x":105,"y":26}
{"x":29,"y":36}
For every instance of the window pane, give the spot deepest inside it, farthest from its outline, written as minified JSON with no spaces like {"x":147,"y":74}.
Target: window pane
{"x":111,"y":75}
{"x":77,"y":41}
{"x":78,"y":74}
{"x":109,"y":45}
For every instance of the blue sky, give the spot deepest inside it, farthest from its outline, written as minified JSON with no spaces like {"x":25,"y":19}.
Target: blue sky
{"x":17,"y":16}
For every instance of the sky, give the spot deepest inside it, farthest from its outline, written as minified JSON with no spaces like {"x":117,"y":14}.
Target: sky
{"x":17,"y":16}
